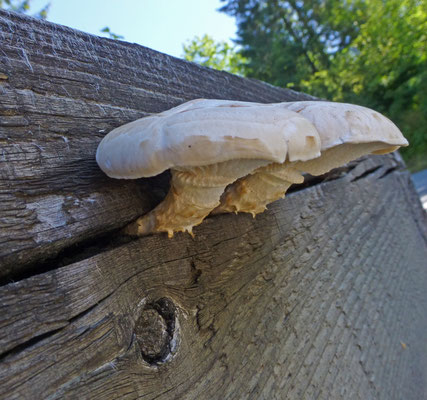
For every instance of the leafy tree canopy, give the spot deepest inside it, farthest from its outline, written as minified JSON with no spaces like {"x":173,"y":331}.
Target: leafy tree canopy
{"x":218,"y":55}
{"x":370,"y":52}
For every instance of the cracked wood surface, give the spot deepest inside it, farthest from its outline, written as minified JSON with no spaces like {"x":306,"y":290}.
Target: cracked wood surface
{"x":61,"y":90}
{"x":323,"y":296}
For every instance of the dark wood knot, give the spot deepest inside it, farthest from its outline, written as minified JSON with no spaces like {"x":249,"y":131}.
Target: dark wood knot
{"x":155,"y":331}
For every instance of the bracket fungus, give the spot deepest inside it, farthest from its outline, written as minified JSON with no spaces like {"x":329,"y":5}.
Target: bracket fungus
{"x":231,"y":156}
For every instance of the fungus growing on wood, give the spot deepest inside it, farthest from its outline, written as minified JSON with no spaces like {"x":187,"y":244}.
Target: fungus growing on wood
{"x":346,"y":132}
{"x":230,"y":156}
{"x":207,"y":145}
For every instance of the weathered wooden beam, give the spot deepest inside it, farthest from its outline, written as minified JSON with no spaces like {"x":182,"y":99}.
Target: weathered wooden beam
{"x":322,"y":296}
{"x":61,"y":91}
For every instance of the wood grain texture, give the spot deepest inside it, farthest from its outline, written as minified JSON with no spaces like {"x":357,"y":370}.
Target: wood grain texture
{"x":324,"y":296}
{"x":61,"y":91}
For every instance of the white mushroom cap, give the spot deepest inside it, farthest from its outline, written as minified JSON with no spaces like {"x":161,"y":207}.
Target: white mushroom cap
{"x":203,"y":132}
{"x":254,"y":150}
{"x":347,"y":132}
{"x":339,"y":123}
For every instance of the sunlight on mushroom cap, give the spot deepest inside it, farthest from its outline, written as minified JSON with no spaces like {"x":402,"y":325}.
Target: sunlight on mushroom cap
{"x":207,"y":144}
{"x":203,"y":132}
{"x":347,"y":132}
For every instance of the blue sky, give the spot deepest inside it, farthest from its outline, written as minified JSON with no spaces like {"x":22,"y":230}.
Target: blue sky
{"x":163,"y":25}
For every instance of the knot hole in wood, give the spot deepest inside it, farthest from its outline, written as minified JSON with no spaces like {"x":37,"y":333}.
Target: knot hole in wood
{"x":155,"y":331}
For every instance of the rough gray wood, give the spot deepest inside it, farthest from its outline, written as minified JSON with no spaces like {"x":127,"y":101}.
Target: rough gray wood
{"x":61,"y":91}
{"x":324,"y":296}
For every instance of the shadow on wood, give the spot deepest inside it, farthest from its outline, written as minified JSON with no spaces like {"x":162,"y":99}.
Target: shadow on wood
{"x":322,"y":296}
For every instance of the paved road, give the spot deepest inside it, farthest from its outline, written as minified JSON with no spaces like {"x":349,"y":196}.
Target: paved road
{"x":420,"y":181}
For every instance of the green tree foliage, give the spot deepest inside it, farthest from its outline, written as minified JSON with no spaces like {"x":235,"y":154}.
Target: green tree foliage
{"x":218,"y":55}
{"x":23,"y":6}
{"x":385,"y":68}
{"x":369,"y":52}
{"x":111,"y":35}
{"x":287,"y":41}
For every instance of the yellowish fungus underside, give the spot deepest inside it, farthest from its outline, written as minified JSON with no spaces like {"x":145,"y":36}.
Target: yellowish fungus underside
{"x":238,"y":157}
